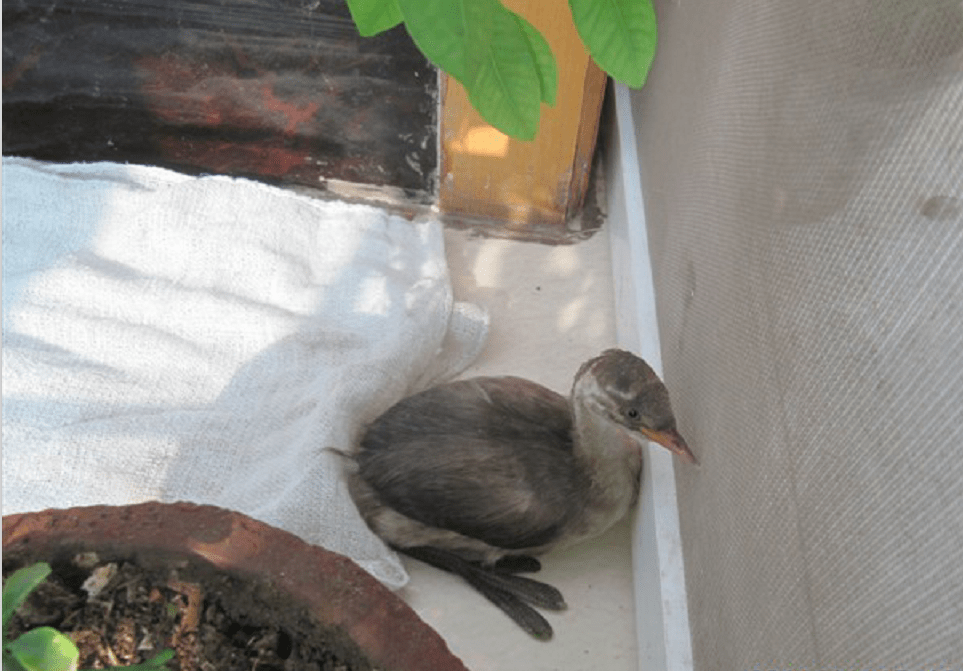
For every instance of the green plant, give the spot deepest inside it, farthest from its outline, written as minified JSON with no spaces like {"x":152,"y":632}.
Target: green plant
{"x":504,"y":63}
{"x":45,"y":648}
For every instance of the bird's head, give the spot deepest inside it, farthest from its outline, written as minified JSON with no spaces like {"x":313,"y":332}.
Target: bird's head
{"x":624,"y":389}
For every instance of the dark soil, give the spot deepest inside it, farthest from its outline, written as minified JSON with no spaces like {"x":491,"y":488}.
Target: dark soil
{"x":120,"y":613}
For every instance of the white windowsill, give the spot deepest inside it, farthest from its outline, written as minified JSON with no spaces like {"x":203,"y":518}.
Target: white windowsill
{"x":662,"y":620}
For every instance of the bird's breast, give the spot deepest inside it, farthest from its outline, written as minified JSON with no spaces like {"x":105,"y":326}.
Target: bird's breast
{"x":611,"y":458}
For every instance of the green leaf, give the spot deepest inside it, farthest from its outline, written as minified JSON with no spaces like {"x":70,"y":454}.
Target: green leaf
{"x":155,"y":663}
{"x":483,"y":46}
{"x":10,"y":663}
{"x":620,"y":35}
{"x":438,"y":28}
{"x":374,"y":16}
{"x":19,"y":586}
{"x":544,"y":60}
{"x":503,"y":82}
{"x":45,"y":649}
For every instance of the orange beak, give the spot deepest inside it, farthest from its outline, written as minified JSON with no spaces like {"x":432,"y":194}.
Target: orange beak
{"x":672,"y":441}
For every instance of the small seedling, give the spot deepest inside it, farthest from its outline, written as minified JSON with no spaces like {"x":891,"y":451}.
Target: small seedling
{"x":45,"y":648}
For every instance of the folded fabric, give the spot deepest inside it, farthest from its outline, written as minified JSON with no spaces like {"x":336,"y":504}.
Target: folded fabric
{"x":205,"y":339}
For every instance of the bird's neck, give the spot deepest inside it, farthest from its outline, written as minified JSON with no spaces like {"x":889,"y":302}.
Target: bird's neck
{"x":612,"y":459}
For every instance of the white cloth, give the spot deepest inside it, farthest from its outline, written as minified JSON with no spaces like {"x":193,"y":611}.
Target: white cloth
{"x":204,"y":339}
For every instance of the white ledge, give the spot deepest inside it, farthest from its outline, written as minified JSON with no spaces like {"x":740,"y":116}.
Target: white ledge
{"x":661,"y":609}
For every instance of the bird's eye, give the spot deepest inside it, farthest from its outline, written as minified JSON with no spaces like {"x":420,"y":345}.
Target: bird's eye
{"x":632,"y":413}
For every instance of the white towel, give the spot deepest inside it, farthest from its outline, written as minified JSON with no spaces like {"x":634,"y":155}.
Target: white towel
{"x":204,"y":339}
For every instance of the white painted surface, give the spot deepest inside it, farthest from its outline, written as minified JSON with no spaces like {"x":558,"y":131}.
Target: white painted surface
{"x":662,"y":620}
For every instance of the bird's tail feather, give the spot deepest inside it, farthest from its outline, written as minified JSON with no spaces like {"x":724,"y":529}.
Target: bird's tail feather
{"x":518,"y":564}
{"x":506,"y":590}
{"x":521,"y":613}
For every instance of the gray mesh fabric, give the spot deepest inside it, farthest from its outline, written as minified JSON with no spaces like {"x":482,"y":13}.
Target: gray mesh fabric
{"x":802,"y":166}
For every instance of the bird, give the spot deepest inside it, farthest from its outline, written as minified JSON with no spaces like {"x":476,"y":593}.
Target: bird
{"x":478,"y":476}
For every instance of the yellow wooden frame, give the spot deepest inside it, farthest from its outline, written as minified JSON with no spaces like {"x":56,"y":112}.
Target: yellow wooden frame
{"x":526,"y":186}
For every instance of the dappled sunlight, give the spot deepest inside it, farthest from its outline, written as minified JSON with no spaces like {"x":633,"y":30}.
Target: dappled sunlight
{"x":481,"y":141}
{"x":551,"y":307}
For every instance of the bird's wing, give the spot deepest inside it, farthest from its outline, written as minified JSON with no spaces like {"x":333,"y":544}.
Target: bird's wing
{"x":528,"y":408}
{"x":489,"y":458}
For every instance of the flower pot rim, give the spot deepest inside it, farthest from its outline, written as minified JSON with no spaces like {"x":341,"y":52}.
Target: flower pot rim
{"x":387,"y":631}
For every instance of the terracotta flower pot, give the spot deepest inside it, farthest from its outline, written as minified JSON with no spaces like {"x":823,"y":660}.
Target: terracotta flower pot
{"x":342,"y":600}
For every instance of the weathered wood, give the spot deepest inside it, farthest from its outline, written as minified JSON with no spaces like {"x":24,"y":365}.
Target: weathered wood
{"x":283,"y":90}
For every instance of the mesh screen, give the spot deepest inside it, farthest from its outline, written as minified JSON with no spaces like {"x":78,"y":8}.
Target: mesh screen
{"x":803,"y":174}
